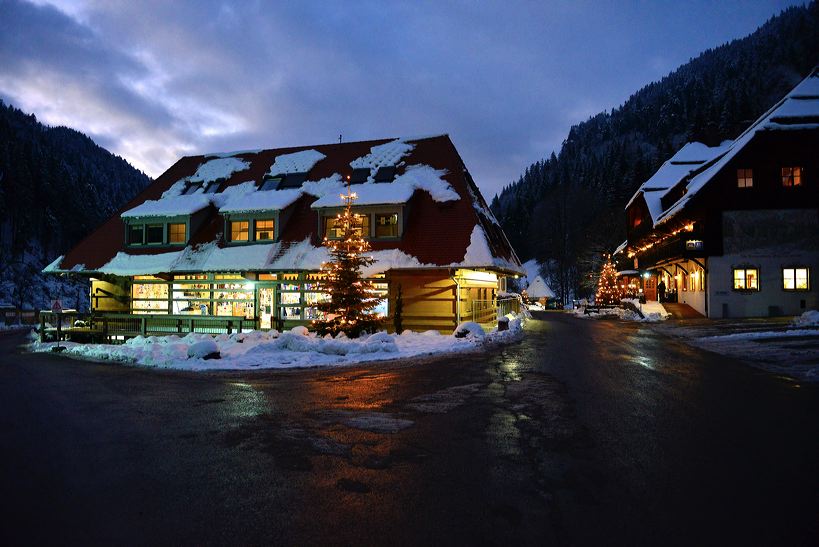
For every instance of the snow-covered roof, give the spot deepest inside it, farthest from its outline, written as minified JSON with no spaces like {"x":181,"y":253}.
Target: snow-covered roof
{"x":539,"y":289}
{"x":383,"y":155}
{"x":416,"y":177}
{"x":429,"y":172}
{"x":689,"y":158}
{"x":799,"y":109}
{"x":219,"y":168}
{"x":267,"y":200}
{"x":279,"y":255}
{"x":297,"y":162}
{"x":166,"y":207}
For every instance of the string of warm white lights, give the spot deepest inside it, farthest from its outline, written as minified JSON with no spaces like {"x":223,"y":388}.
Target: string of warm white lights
{"x":687,"y":228}
{"x":351,"y":300}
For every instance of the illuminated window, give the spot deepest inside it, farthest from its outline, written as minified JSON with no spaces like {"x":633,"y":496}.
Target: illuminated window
{"x":176,"y":233}
{"x":745,"y":178}
{"x":334,"y":230}
{"x":136,"y":234}
{"x":746,"y":279}
{"x":265,"y":230}
{"x":796,"y":279}
{"x":386,"y":225}
{"x":791,"y":176}
{"x":363,"y":229}
{"x":155,"y":233}
{"x":238,"y":230}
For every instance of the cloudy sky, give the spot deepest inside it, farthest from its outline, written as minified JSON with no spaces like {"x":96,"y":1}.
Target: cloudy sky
{"x":153,"y":81}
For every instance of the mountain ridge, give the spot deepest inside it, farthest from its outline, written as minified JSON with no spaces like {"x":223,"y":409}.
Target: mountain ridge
{"x":567,"y":209}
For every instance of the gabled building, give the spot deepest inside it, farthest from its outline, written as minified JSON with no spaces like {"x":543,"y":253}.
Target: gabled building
{"x":733,"y":230}
{"x":240,"y":235}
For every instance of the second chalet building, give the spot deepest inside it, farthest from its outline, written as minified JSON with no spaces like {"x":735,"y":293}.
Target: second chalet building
{"x":733,"y":230}
{"x":240,"y":235}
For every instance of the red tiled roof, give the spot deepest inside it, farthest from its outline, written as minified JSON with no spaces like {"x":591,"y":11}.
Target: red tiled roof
{"x":436,"y":232}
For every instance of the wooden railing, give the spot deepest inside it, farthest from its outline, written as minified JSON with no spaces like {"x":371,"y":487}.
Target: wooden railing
{"x":108,"y":326}
{"x":487,"y":312}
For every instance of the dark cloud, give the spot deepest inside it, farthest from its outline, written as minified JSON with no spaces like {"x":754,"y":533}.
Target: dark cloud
{"x":155,"y":80}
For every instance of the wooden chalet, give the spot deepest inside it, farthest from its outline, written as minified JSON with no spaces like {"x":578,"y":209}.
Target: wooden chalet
{"x":239,"y":235}
{"x":733,"y":230}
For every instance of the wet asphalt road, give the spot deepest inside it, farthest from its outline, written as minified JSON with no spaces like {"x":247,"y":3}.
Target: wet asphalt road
{"x":586,"y":433}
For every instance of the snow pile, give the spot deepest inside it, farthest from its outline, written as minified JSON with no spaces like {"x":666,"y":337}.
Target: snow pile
{"x":295,"y":348}
{"x":469,"y":330}
{"x":652,"y":312}
{"x":808,"y":319}
{"x":297,"y":162}
{"x":203,"y":349}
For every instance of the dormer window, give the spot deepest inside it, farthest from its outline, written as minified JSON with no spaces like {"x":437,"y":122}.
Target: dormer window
{"x":191,"y":188}
{"x":177,"y":232}
{"x":385,"y":174}
{"x":386,"y":225}
{"x":265,"y":229}
{"x":156,"y":231}
{"x":333,"y":228}
{"x":136,"y":234}
{"x":155,"y":234}
{"x":239,"y":230}
{"x":360,"y":175}
{"x":211,"y":187}
{"x":244,"y":229}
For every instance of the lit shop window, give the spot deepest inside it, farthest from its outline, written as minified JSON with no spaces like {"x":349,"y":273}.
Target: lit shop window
{"x":796,"y":279}
{"x":746,"y":279}
{"x":745,"y":178}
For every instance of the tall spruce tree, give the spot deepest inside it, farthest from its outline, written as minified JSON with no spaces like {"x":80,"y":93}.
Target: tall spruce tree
{"x":351,"y":299}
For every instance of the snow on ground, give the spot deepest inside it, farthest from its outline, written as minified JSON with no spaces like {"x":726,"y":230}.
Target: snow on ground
{"x":784,"y":347}
{"x":808,"y":319}
{"x":293,"y":349}
{"x":652,"y":312}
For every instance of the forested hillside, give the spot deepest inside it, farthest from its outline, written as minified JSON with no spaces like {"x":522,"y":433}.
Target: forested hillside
{"x":56,"y":185}
{"x":567,"y":209}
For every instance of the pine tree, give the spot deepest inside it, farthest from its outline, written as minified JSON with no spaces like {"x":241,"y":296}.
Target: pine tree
{"x":351,"y":298}
{"x":608,"y":292}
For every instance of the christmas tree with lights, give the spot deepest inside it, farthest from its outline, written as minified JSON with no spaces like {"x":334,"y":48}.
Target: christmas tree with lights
{"x":608,"y":292}
{"x":351,"y":300}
